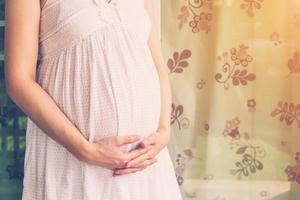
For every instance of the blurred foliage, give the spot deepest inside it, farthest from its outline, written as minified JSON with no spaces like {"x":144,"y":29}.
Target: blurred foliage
{"x":12,"y":135}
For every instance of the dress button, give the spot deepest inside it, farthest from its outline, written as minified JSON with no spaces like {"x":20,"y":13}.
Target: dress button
{"x":114,"y":2}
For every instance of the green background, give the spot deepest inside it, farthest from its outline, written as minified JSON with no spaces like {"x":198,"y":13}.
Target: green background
{"x":12,"y":134}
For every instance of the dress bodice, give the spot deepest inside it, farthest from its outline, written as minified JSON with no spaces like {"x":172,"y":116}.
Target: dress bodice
{"x":76,"y":19}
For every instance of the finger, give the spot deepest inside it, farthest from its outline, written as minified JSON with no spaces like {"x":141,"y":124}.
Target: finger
{"x":140,"y":158}
{"x":127,"y":139}
{"x":137,"y":152}
{"x":149,"y":140}
{"x":126,"y":171}
{"x":140,"y":164}
{"x":145,"y":163}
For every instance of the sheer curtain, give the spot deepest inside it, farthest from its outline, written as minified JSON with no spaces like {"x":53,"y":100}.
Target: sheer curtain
{"x":235,"y":77}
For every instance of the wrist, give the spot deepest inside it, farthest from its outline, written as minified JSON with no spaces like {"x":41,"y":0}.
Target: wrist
{"x":164,"y":129}
{"x":85,"y":150}
{"x":165,"y":136}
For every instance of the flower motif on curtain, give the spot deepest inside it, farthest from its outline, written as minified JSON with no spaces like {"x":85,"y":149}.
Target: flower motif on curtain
{"x":297,"y":17}
{"x":275,"y":38}
{"x":234,"y":63}
{"x":200,"y":84}
{"x":200,"y":14}
{"x":243,"y":146}
{"x":294,"y":63}
{"x":250,"y":5}
{"x":181,"y":162}
{"x":251,"y":103}
{"x":179,"y":61}
{"x":288,"y":113}
{"x":293,"y":171}
{"x":176,"y":117}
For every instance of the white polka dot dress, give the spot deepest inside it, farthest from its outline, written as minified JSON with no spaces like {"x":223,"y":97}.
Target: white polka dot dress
{"x":98,"y":68}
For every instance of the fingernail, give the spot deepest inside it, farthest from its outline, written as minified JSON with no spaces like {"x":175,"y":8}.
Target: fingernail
{"x":136,"y":137}
{"x":116,"y":172}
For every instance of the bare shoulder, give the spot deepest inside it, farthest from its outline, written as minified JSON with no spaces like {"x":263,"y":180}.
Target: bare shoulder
{"x":21,"y":32}
{"x":148,"y":4}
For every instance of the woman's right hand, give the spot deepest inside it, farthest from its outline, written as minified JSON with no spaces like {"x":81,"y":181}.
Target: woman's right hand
{"x":107,"y":152}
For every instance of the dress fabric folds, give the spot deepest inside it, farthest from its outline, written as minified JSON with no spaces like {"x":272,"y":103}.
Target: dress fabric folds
{"x":98,"y":68}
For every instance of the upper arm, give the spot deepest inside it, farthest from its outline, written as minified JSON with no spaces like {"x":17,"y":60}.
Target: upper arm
{"x":21,"y":40}
{"x":154,"y":40}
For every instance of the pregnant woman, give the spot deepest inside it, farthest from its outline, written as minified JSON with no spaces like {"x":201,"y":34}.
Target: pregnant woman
{"x":98,"y":103}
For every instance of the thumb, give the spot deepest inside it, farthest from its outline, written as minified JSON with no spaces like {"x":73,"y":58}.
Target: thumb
{"x":148,"y":141}
{"x":127,"y":139}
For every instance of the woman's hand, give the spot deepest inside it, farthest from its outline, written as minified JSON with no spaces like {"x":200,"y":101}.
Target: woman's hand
{"x":158,"y":140}
{"x":107,"y":153}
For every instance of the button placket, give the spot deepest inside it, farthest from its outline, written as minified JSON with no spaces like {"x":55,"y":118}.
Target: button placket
{"x":108,"y":11}
{"x":114,"y":4}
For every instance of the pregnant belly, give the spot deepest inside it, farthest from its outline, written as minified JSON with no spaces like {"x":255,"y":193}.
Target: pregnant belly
{"x":104,"y":94}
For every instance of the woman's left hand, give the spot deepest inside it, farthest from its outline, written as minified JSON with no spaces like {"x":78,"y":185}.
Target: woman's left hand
{"x":158,"y":140}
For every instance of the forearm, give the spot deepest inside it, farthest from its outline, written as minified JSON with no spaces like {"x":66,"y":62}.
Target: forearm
{"x":166,"y":100}
{"x":43,"y":111}
{"x":162,"y":70}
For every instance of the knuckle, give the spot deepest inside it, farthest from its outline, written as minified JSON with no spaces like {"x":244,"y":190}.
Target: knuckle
{"x":126,"y":158}
{"x":118,"y":140}
{"x":119,"y":163}
{"x":142,"y":151}
{"x":150,"y":153}
{"x":116,"y":162}
{"x":149,"y":162}
{"x":130,"y":138}
{"x":122,"y":162}
{"x":153,"y":159}
{"x":143,"y":164}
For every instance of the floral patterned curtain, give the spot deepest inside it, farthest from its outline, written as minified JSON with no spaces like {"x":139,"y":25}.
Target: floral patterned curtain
{"x":235,"y":77}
